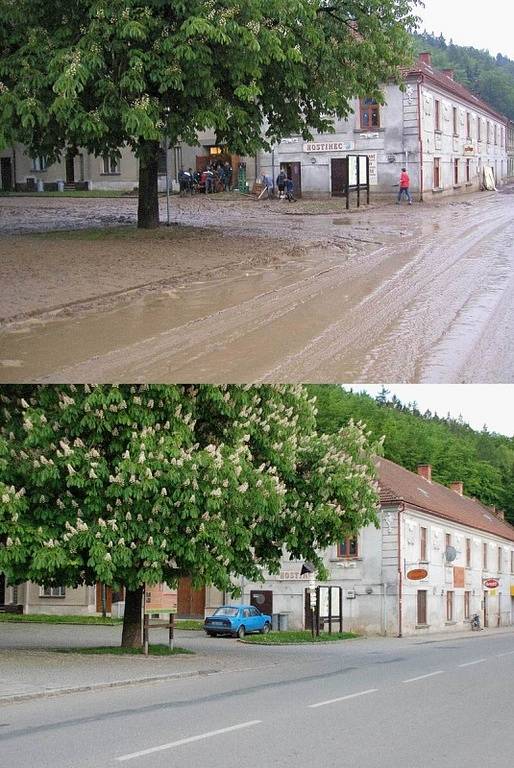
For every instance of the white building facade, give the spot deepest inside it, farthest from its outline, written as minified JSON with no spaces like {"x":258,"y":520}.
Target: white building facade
{"x":437,"y":558}
{"x":435,"y":127}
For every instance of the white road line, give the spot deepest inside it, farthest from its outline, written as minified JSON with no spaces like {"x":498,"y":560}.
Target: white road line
{"x":189,"y":740}
{"x":507,"y":653}
{"x":470,"y":663}
{"x":422,"y":677}
{"x":342,"y":698}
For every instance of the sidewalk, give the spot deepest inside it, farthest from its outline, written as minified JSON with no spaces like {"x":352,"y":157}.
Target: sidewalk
{"x":31,"y":668}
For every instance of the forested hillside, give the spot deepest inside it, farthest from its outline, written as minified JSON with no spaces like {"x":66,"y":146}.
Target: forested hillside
{"x":491,"y":78}
{"x":483,"y":461}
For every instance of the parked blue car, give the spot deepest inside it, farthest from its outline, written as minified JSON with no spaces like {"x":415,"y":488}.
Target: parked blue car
{"x":237,"y":621}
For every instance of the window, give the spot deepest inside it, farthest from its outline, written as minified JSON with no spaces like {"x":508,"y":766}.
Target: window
{"x":484,"y":556}
{"x":496,"y":134}
{"x":468,"y":553}
{"x":449,"y":606}
{"x":468,"y":124}
{"x":488,"y":132}
{"x":348,"y":548}
{"x":447,"y":539}
{"x":456,"y":171}
{"x":437,"y":115}
{"x":422,"y":606}
{"x":512,"y":561}
{"x":455,"y":122}
{"x":52,"y":592}
{"x":467,"y":597}
{"x":500,"y":558}
{"x":468,"y":171}
{"x":479,"y":128}
{"x":422,"y":543}
{"x":110,"y":165}
{"x":437,"y":173}
{"x":370,"y":114}
{"x":39,"y":163}
{"x":254,"y":612}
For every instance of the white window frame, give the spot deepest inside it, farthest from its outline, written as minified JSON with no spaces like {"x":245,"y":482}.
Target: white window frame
{"x":110,"y":166}
{"x":52,"y":592}
{"x":39,"y":164}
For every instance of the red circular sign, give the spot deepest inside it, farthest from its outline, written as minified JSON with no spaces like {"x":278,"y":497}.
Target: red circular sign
{"x":417,"y":574}
{"x":491,"y":583}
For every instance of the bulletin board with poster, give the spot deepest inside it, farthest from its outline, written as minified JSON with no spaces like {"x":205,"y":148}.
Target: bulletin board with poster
{"x":358,"y":178}
{"x":160,"y":599}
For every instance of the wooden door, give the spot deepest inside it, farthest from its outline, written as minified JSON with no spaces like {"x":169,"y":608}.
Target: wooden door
{"x":486,"y":610}
{"x":6,"y":174}
{"x":263,"y":600}
{"x":190,"y":602}
{"x":294,"y":172}
{"x":70,"y":168}
{"x":339,"y":176}
{"x":108,"y":599}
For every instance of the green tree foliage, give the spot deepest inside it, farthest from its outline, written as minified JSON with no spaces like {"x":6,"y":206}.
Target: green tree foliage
{"x":100,"y":74}
{"x":484,"y":462}
{"x":491,"y":78}
{"x":145,"y":484}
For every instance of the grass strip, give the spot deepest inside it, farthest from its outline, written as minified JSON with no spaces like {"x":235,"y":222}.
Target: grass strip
{"x":46,"y":618}
{"x":294,"y":637}
{"x":116,"y":650}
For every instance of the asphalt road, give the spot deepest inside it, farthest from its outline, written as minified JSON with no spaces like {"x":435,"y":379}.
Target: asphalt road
{"x":410,"y":294}
{"x":366,"y":704}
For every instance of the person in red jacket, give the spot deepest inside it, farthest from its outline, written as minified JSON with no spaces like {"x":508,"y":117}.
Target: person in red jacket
{"x":404,"y":187}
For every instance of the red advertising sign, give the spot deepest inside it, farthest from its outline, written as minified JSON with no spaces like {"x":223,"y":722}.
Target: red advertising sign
{"x":417,"y":574}
{"x":491,"y":583}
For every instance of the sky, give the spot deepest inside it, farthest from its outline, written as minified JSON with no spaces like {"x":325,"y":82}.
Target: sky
{"x":478,"y":404}
{"x":488,"y":26}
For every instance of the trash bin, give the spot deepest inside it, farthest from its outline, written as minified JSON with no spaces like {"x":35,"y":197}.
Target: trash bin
{"x":40,"y":187}
{"x":60,"y":186}
{"x":283,"y":622}
{"x":275,"y":622}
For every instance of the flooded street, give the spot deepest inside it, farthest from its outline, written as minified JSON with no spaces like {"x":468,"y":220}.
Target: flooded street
{"x":260,"y":292}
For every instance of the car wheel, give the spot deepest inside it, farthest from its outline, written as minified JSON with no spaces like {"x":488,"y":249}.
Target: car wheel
{"x":212,"y":634}
{"x":266,"y":628}
{"x":241,"y":632}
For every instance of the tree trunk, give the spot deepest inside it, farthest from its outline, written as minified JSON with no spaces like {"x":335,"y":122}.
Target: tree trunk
{"x":132,"y":636}
{"x":148,"y":208}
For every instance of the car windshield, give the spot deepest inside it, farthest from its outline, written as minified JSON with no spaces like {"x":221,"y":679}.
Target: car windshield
{"x":226,"y":611}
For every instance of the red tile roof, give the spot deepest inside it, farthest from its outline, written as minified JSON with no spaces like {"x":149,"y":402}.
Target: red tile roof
{"x":452,"y":86}
{"x":399,"y":485}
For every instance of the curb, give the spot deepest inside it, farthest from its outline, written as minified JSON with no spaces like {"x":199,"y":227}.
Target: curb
{"x":101,"y":686}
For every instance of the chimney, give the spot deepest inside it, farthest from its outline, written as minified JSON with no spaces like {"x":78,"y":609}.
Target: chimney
{"x":500,"y":514}
{"x":425,"y":58}
{"x":458,"y":487}
{"x":449,"y":73}
{"x":425,"y":470}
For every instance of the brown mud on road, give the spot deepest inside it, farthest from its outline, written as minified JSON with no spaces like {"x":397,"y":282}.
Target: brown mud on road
{"x":243,"y":291}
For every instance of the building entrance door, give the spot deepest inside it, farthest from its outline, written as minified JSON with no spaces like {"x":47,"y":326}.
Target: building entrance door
{"x":294,"y":172}
{"x":263,"y":600}
{"x":70,"y":168}
{"x":190,"y":602}
{"x":6,"y":173}
{"x":339,"y":176}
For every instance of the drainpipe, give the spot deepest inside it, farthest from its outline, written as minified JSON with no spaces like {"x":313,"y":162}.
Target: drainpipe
{"x":400,"y":572}
{"x":420,"y":140}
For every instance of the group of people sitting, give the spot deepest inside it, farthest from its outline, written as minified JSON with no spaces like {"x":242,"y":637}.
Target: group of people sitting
{"x":284,"y":183}
{"x":216,"y":177}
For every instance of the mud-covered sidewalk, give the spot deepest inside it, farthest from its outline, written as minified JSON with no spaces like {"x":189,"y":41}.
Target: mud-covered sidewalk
{"x":260,"y":291}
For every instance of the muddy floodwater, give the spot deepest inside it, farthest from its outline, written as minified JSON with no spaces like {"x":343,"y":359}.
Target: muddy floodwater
{"x":243,"y":291}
